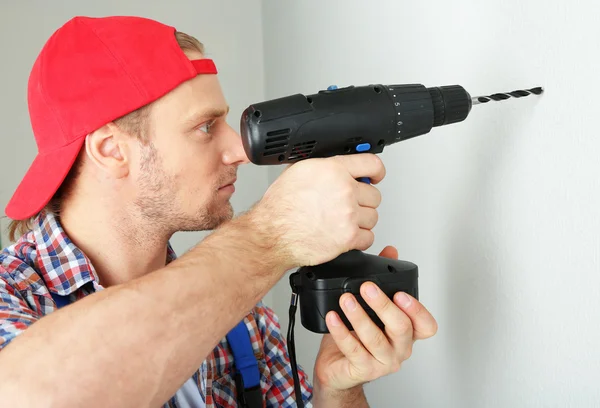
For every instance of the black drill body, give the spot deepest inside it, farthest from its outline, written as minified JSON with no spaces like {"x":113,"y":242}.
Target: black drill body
{"x":347,"y":120}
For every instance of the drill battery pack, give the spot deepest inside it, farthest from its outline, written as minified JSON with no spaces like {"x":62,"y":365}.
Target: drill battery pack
{"x":320,"y":287}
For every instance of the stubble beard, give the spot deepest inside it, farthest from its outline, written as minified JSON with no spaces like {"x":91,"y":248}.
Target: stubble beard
{"x":157,"y":202}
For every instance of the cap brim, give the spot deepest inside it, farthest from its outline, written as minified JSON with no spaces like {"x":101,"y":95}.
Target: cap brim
{"x":42,"y":180}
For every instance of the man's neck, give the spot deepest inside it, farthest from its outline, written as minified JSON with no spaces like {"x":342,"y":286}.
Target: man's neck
{"x":120,"y":247}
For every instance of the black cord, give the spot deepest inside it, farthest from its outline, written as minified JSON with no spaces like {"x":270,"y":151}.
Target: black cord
{"x":292,"y":350}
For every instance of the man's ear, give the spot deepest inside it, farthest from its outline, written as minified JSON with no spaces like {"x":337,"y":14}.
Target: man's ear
{"x":108,"y":149}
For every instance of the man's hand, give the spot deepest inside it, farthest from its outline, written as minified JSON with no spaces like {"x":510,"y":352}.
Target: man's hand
{"x":349,"y":359}
{"x":317,"y":210}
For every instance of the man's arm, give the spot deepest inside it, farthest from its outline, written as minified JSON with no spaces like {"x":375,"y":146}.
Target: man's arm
{"x":352,"y":398}
{"x":135,"y":344}
{"x":131,"y":345}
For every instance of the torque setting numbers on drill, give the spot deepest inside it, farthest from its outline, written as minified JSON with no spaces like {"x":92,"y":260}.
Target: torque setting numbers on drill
{"x":397,"y":105}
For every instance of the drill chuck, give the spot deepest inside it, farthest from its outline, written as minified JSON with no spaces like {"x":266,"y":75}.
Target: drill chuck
{"x":451,"y":104}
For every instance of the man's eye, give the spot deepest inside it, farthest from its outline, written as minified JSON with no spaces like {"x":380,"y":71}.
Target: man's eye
{"x":207,"y":126}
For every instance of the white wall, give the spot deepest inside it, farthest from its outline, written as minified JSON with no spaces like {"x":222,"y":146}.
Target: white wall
{"x":501,"y":212}
{"x":231,"y":32}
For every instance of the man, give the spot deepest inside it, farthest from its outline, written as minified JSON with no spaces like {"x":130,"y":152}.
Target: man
{"x":95,"y":310}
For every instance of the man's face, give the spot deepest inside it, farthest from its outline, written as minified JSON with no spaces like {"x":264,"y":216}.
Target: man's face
{"x":186,"y":173}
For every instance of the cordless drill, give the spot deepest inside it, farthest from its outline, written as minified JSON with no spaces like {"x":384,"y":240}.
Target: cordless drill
{"x":351,"y":120}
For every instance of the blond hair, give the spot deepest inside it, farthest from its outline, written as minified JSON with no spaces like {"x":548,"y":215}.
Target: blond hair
{"x":133,"y":123}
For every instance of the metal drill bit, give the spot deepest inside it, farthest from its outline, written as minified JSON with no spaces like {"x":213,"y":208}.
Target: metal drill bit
{"x":503,"y":96}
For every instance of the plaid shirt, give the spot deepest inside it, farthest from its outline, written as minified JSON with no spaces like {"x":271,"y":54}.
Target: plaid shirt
{"x":45,"y":260}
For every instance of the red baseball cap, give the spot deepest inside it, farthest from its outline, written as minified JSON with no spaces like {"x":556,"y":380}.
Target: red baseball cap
{"x":92,"y":71}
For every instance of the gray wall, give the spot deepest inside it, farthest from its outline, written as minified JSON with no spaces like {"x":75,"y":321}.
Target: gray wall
{"x":501,"y":212}
{"x":231,"y":31}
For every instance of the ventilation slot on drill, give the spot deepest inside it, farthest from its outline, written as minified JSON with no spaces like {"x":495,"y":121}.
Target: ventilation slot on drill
{"x":302,"y":150}
{"x":276,"y":142}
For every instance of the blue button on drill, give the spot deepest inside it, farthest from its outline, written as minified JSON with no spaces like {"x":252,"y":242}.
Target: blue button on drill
{"x":363,"y":147}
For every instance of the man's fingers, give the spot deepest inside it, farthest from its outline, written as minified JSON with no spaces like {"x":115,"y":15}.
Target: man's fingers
{"x":345,"y":341}
{"x":367,"y":218}
{"x":371,"y":336}
{"x":389,"y":252}
{"x":398,"y":326}
{"x":424,"y":324}
{"x":363,"y":240}
{"x":363,"y":165}
{"x":367,"y":195}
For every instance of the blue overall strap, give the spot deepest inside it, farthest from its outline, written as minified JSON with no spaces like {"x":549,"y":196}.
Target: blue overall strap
{"x":247,"y":375}
{"x":60,"y":301}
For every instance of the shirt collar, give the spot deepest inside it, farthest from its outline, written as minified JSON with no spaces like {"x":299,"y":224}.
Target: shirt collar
{"x":64,"y":267}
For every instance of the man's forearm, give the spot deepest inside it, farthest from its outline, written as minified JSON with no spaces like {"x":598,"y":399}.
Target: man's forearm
{"x":134,"y":344}
{"x":352,"y":398}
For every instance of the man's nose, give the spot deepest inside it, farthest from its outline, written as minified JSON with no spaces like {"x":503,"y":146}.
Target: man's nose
{"x":233,"y":149}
